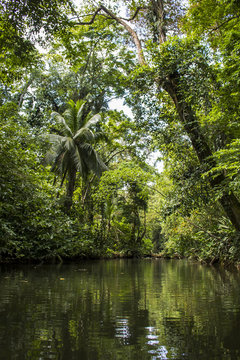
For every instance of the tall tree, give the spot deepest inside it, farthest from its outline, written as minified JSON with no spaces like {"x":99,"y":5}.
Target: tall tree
{"x":168,"y":76}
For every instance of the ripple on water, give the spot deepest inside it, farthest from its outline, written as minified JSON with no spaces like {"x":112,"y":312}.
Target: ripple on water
{"x":120,"y":310}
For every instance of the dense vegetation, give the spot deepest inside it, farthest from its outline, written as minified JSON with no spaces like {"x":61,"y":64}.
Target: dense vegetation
{"x":75,"y":175}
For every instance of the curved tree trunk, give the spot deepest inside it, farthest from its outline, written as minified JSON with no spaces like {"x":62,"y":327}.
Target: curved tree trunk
{"x":229,"y":202}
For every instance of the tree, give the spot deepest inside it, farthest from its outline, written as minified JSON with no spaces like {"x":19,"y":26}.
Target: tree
{"x":73,"y":150}
{"x":167,"y":75}
{"x":22,"y":25}
{"x":122,"y":198}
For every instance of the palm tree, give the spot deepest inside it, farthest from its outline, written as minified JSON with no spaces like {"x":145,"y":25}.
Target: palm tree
{"x":73,"y":150}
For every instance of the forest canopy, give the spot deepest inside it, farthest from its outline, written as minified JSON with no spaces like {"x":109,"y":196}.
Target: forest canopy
{"x":76,"y":176}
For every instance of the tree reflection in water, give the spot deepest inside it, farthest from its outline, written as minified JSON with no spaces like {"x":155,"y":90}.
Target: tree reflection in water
{"x":121,"y":309}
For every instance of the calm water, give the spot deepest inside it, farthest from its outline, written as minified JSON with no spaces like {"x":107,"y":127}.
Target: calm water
{"x":119,"y":309}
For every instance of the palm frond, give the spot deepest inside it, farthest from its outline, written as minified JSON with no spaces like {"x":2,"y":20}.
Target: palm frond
{"x":49,"y":158}
{"x":84,"y":135}
{"x":77,"y":160}
{"x":69,"y":144}
{"x":65,"y":162}
{"x":92,"y":160}
{"x":70,"y":117}
{"x":71,"y":103}
{"x":61,"y":120}
{"x":79,"y":107}
{"x":73,"y":154}
{"x":55,"y":139}
{"x":92,"y":121}
{"x":58,"y":159}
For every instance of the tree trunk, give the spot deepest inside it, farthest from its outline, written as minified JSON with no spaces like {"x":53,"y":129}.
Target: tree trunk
{"x":70,"y":189}
{"x":229,"y":202}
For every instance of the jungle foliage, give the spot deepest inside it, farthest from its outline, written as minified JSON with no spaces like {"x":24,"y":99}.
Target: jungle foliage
{"x":76,"y":179}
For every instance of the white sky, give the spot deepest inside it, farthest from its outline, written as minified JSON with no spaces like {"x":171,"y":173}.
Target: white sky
{"x":118,"y":104}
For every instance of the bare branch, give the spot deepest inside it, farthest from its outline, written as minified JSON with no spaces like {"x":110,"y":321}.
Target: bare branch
{"x":98,"y":10}
{"x":112,"y":156}
{"x":24,"y":91}
{"x":154,"y":189}
{"x":224,"y":23}
{"x":92,"y":19}
{"x":135,"y":14}
{"x":133,"y":34}
{"x":73,"y":10}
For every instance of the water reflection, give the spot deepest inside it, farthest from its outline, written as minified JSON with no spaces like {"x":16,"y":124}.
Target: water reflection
{"x":123,"y":309}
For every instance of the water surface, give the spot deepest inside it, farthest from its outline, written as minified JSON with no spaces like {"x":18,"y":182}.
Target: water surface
{"x":119,"y":309}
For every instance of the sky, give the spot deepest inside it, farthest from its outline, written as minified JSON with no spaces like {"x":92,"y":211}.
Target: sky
{"x":118,"y":104}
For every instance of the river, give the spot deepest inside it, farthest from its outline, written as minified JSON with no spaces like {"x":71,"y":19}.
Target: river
{"x":119,"y":310}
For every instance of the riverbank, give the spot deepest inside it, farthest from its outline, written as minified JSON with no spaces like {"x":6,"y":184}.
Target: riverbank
{"x":56,"y":260}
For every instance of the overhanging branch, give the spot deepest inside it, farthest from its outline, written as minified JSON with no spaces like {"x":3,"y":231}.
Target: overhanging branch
{"x":92,"y":19}
{"x":121,"y":21}
{"x":135,"y":14}
{"x":224,"y":23}
{"x":133,"y":34}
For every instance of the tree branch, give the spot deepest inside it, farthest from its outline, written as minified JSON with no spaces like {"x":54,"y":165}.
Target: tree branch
{"x":24,"y":91}
{"x":133,"y":34}
{"x":223,"y":23}
{"x":112,"y":156}
{"x":92,"y":19}
{"x":121,"y":21}
{"x":154,"y":189}
{"x":135,"y":14}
